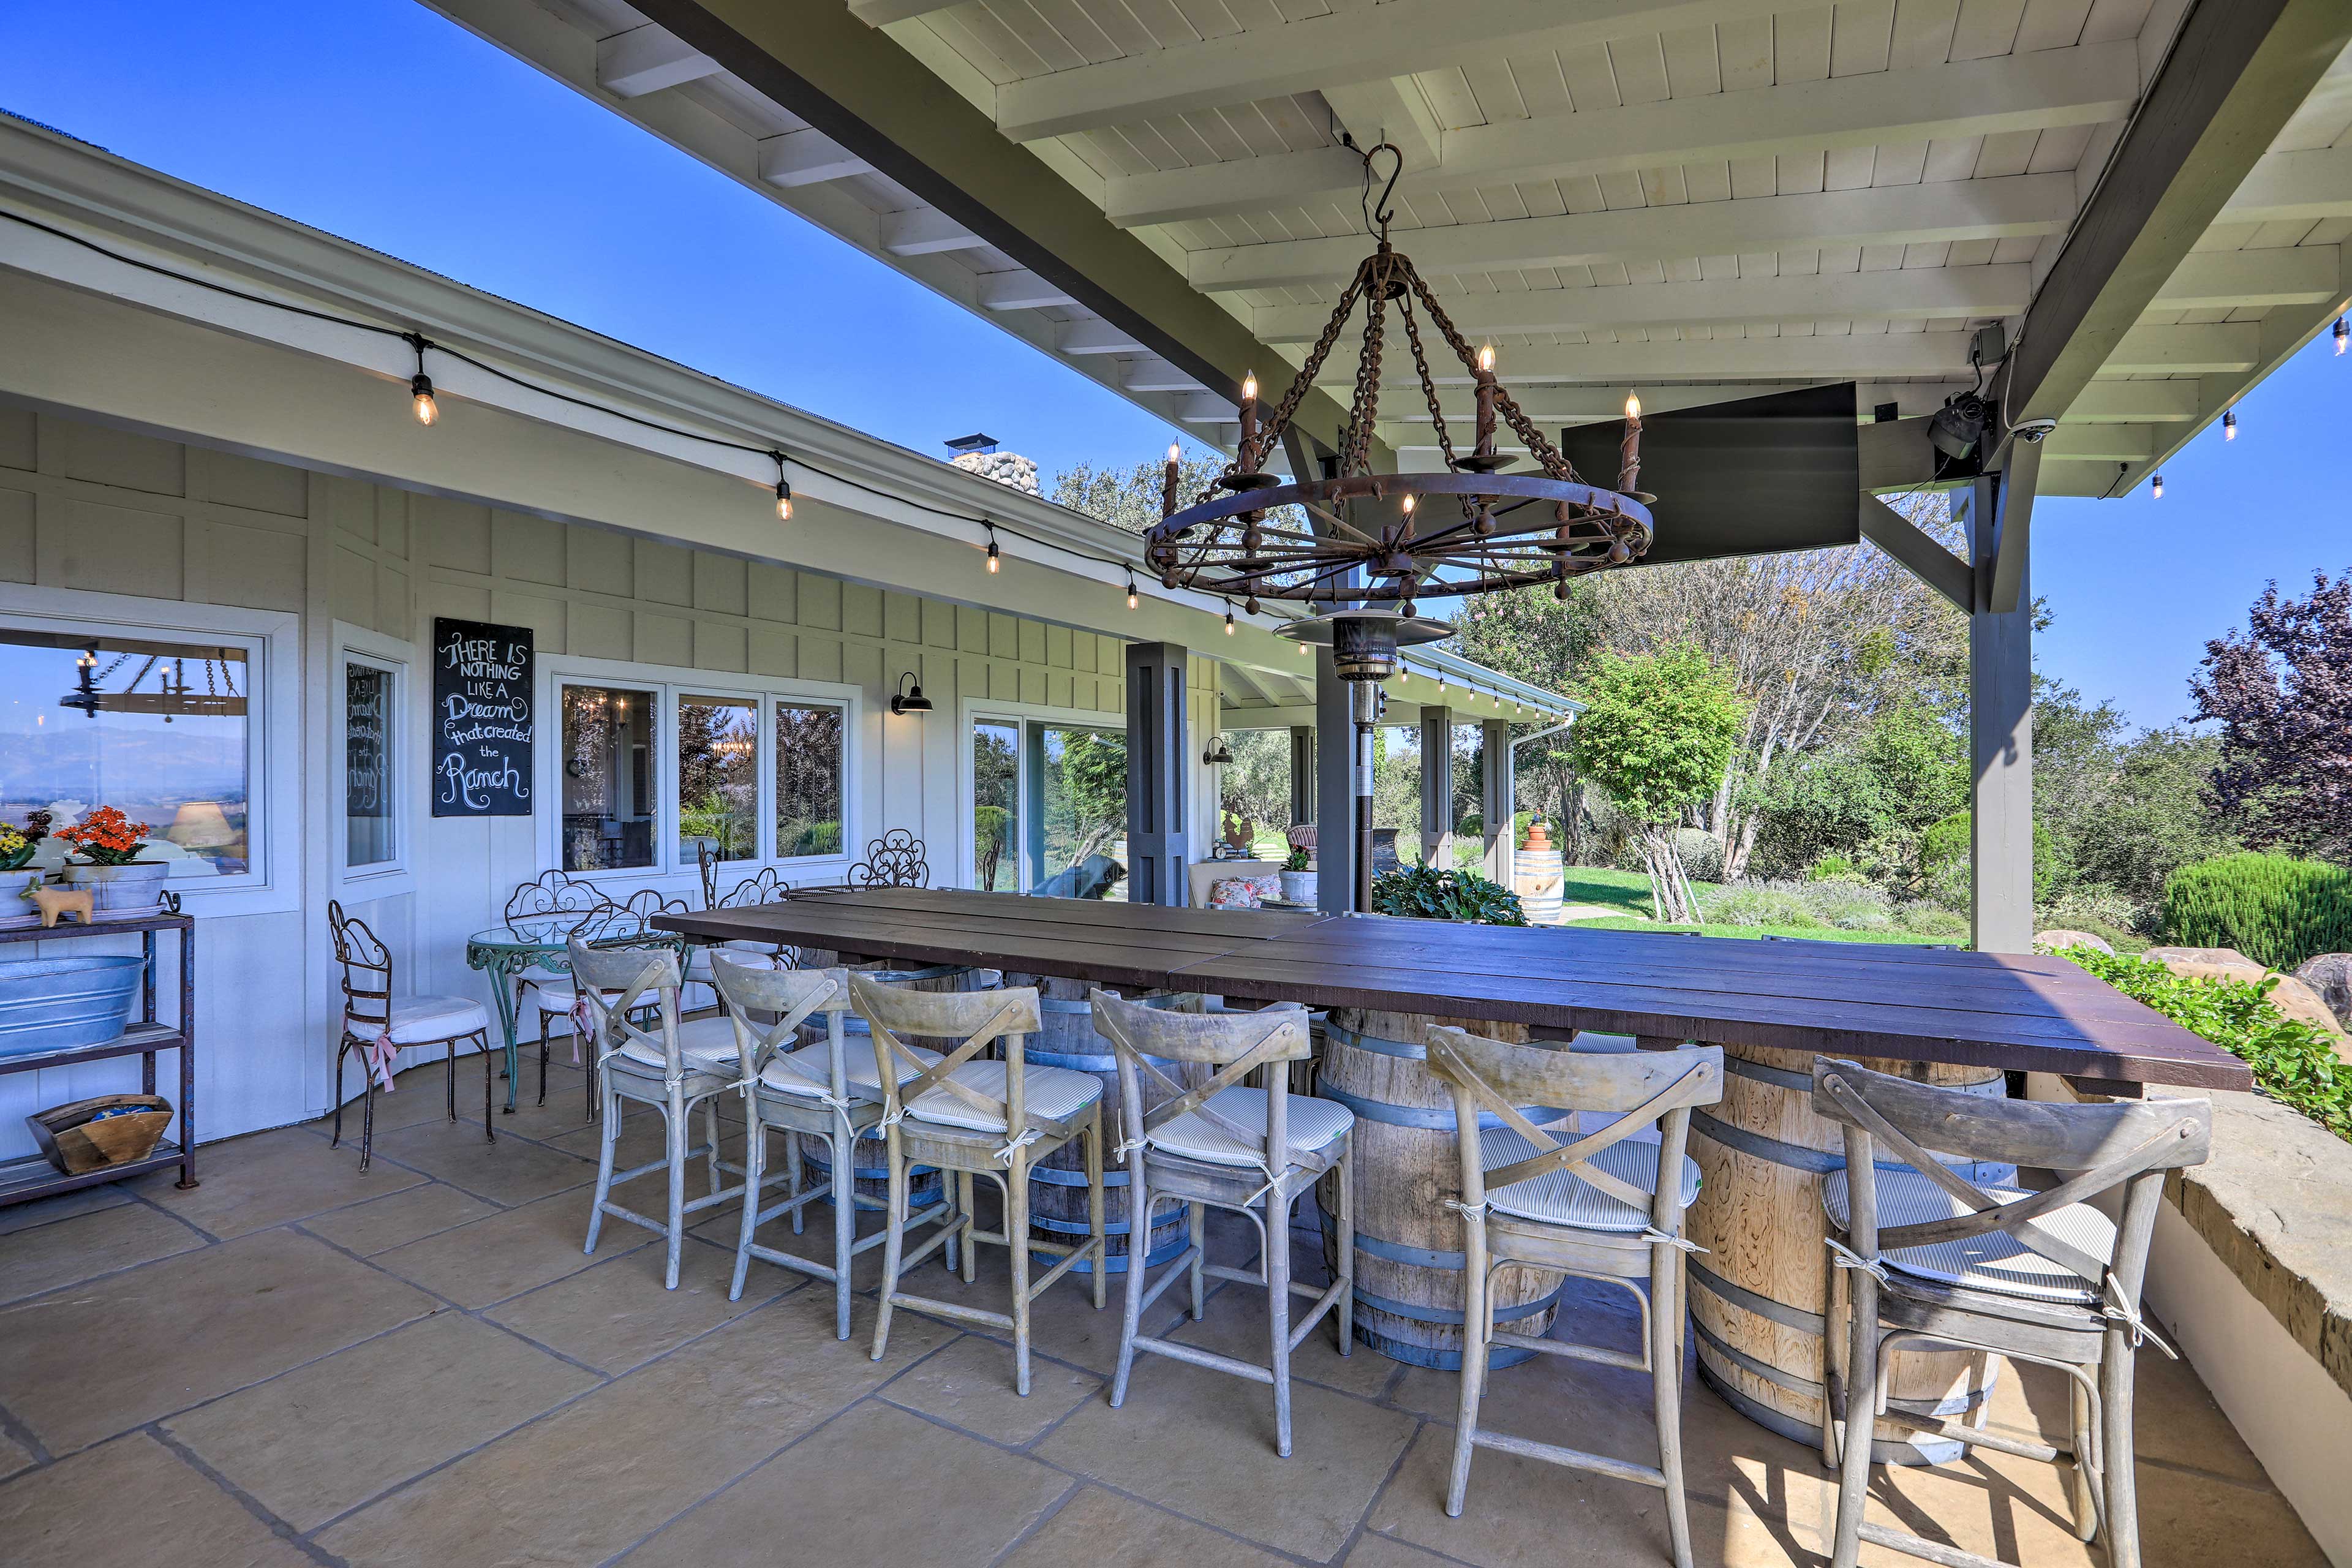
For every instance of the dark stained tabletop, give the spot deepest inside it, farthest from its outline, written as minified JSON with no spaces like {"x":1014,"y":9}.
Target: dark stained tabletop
{"x":2022,"y":1013}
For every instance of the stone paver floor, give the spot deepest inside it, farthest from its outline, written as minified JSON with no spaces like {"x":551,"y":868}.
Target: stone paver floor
{"x":299,"y":1363}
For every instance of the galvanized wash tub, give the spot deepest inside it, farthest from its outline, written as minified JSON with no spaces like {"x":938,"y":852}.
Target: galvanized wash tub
{"x":55,"y":1004}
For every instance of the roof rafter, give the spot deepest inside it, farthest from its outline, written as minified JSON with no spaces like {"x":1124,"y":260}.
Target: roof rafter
{"x":2080,"y":85}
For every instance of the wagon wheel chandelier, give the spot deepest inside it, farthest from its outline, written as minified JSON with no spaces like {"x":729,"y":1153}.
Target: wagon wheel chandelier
{"x":1471,"y":529}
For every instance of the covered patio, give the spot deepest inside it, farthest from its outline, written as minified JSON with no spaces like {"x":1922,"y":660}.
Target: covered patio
{"x":507,"y":633}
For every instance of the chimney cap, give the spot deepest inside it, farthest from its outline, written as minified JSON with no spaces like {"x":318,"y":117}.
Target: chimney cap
{"x":974,"y":442}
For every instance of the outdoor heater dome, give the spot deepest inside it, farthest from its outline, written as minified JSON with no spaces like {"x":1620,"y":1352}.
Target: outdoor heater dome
{"x":1364,"y":643}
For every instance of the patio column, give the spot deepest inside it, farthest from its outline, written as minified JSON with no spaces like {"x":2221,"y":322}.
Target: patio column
{"x":1335,"y":790}
{"x":1500,"y":805}
{"x":1302,"y":773}
{"x":1437,"y":787}
{"x":2000,"y":713}
{"x":1157,"y":754}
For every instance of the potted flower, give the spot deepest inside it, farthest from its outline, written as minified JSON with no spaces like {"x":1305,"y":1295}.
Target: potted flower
{"x":1298,"y":879}
{"x":107,"y":847}
{"x":16,"y":848}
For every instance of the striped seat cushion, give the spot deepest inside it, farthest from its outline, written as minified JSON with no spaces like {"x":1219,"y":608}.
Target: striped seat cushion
{"x":857,"y":1068}
{"x":1562,"y":1199}
{"x":705,"y":1046}
{"x":1051,"y":1094}
{"x":1315,"y":1125}
{"x":1989,"y":1262}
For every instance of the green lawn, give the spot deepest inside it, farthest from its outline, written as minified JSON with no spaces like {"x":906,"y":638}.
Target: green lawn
{"x":1626,"y":890}
{"x":1630,"y":892}
{"x":1809,"y":933}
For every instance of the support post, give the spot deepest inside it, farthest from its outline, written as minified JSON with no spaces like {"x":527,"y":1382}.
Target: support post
{"x":1437,"y":787}
{"x":1302,"y":773}
{"x":1158,"y":754}
{"x":1499,"y":807}
{"x":2001,"y":732}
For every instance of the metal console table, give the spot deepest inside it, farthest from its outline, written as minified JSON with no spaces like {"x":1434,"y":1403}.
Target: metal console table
{"x":23,"y":1180}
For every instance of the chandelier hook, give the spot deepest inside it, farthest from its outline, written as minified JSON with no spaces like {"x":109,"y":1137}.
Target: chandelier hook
{"x":1377,"y":215}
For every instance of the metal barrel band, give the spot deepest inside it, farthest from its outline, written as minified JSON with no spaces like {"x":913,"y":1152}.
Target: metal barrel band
{"x":1818,"y":1162}
{"x":1421,"y":1314}
{"x":1437,"y":1119}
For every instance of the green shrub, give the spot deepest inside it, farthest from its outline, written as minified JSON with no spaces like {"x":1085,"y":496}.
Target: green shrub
{"x":1701,"y":852}
{"x":1944,"y":860}
{"x":1841,"y":906}
{"x":2277,"y":910}
{"x":1424,"y":892}
{"x":2292,"y":1062}
{"x":1921,"y":918}
{"x":1834,"y":868}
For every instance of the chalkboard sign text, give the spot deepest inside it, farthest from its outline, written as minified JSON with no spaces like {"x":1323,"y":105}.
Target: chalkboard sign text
{"x":482,"y":720}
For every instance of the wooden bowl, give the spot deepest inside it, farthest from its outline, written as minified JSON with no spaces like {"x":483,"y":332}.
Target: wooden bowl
{"x":78,"y":1139}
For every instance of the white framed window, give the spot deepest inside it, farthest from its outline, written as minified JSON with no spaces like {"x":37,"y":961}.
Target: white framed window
{"x":649,"y":764}
{"x":371,"y":732}
{"x":1045,"y":801}
{"x":183,"y":717}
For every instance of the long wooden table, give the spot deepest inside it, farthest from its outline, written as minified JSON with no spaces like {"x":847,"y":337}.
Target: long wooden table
{"x":1763,"y":1295}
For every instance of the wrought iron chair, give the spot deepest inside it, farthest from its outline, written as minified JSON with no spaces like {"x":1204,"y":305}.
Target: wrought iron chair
{"x":893,"y":860}
{"x":1594,"y":1206}
{"x":825,"y":1090}
{"x":555,"y":893}
{"x":969,"y":1118}
{"x":1224,"y":1145}
{"x":556,"y":995}
{"x":673,"y":1068}
{"x":379,"y":1025}
{"x":762,"y":887}
{"x":2042,"y":1276}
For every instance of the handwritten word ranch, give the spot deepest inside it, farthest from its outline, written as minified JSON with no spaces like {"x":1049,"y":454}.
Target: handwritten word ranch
{"x":485,"y":658}
{"x":473,"y":787}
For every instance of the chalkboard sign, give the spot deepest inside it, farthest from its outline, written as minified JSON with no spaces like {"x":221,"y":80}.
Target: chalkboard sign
{"x":481,"y":719}
{"x":367,"y":765}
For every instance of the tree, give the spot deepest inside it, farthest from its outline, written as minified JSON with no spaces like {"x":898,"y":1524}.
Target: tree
{"x":2283,"y":692}
{"x":1658,"y":733}
{"x":1129,"y":497}
{"x":1254,"y":787}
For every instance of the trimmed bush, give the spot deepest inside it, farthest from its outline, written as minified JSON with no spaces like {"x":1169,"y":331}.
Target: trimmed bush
{"x":1944,"y":860}
{"x":1834,"y":869}
{"x":2277,"y":910}
{"x":1701,"y":852}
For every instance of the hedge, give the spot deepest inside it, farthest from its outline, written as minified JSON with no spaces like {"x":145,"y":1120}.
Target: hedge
{"x":2277,"y":910}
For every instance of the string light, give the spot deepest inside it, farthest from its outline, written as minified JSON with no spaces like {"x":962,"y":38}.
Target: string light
{"x":420,"y":385}
{"x":784,"y":490}
{"x":2343,"y":334}
{"x":2229,"y":425}
{"x":1229,"y":617}
{"x":995,"y":559}
{"x":1133,"y":598}
{"x":2156,"y":488}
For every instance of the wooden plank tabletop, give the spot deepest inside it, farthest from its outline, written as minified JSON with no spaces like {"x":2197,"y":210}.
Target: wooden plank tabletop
{"x":2017,"y":1012}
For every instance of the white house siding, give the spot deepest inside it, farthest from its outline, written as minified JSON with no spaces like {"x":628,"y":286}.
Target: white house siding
{"x":86,"y":508}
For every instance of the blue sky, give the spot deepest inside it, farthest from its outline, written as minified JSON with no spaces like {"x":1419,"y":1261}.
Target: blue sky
{"x":378,"y":120}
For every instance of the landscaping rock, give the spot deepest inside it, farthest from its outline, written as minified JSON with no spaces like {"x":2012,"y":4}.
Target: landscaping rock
{"x":2209,"y":963}
{"x":2060,"y":937}
{"x":2297,"y":1000}
{"x":2330,"y":974}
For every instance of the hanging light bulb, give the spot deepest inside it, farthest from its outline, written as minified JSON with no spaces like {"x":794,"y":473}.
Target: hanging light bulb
{"x":1133,"y":598}
{"x":995,"y":559}
{"x":2343,"y":334}
{"x":420,"y":385}
{"x":2229,"y":425}
{"x":1228,"y":619}
{"x":784,"y":490}
{"x":2156,"y":488}
{"x":1440,"y":683}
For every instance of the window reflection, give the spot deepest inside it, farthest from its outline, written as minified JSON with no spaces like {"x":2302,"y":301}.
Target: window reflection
{"x":608,"y":777}
{"x":718,"y":777}
{"x":156,"y":728}
{"x":367,"y":765}
{"x":808,"y":780}
{"x":996,"y":806}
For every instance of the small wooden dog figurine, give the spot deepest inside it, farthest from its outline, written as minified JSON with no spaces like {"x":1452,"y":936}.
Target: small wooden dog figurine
{"x":56,"y":901}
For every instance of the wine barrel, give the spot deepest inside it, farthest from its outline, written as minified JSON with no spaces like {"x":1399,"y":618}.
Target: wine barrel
{"x":1536,"y":876}
{"x":1057,"y":1191}
{"x":871,"y":1172}
{"x":1756,"y":1293}
{"x":1408,"y":1258}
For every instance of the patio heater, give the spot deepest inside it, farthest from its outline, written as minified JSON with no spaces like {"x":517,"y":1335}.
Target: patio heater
{"x":1364,"y":644}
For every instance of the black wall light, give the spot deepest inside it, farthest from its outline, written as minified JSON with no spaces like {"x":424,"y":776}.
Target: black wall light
{"x":909,"y":697}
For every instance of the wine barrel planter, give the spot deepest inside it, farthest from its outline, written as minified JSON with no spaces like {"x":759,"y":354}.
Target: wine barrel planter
{"x":1536,"y":876}
{"x":1409,"y":1256}
{"x":1057,"y":1191}
{"x":871,"y":1170}
{"x":1757,"y":1293}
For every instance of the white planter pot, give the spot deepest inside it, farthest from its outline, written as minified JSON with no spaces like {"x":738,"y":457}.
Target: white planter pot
{"x":1298,"y":888}
{"x":136,"y":886}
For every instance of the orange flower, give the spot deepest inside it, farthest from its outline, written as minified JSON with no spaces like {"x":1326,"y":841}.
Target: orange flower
{"x":106,"y":836}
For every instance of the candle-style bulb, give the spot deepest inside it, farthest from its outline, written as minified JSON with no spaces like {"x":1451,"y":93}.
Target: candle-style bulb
{"x":1408,"y":506}
{"x":1486,"y":358}
{"x":1633,"y":406}
{"x":1173,"y":453}
{"x":1249,"y":390}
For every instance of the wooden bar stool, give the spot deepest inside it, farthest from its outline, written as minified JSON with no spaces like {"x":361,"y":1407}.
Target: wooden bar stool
{"x":1226,"y":1145}
{"x":1594,"y":1208}
{"x":822,"y":1091}
{"x":970,"y":1118}
{"x":2044,"y":1276}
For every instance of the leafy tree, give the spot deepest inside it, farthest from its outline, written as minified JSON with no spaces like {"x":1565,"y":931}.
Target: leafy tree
{"x":1086,"y":792}
{"x":2283,"y":692}
{"x":1658,"y":734}
{"x":1865,"y":798}
{"x":1254,"y":788}
{"x":995,"y":788}
{"x":1129,"y":497}
{"x":2152,"y":819}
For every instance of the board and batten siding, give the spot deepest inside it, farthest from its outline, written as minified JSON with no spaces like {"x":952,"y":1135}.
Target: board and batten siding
{"x":89,"y":508}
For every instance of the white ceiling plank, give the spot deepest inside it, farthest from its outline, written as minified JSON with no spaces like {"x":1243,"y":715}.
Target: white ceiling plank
{"x":1318,"y":52}
{"x":648,"y":60}
{"x":2137,"y":403}
{"x":1385,"y":109}
{"x":1920,"y":293}
{"x":2186,"y":351}
{"x":1875,"y":356}
{"x":1096,"y":337}
{"x":1155,"y":375}
{"x":2099,"y":443}
{"x":2290,"y":185}
{"x":2059,"y":87}
{"x":2226,"y":279}
{"x":1018,"y":289}
{"x":807,"y":158}
{"x":1889,"y":216}
{"x":925,"y":231}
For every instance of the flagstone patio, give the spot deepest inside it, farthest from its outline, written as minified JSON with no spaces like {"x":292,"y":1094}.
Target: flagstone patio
{"x":299,"y":1363}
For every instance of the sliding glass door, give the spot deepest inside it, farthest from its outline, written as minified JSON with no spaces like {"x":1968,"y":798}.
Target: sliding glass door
{"x":1049,"y":808}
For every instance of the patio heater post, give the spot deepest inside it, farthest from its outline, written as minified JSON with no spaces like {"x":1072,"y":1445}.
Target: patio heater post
{"x":1157,"y":771}
{"x":2000,"y":731}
